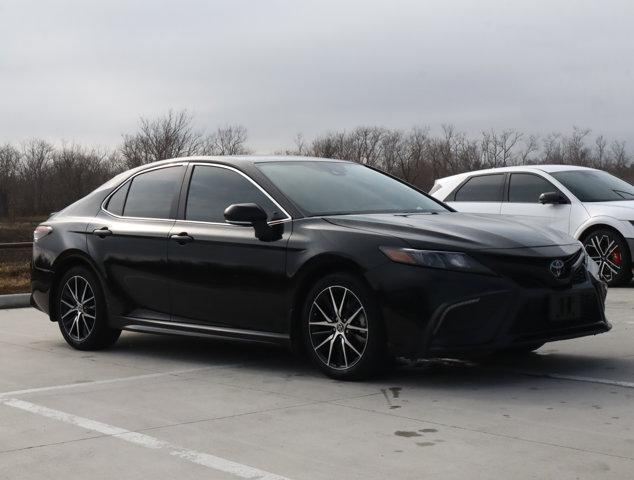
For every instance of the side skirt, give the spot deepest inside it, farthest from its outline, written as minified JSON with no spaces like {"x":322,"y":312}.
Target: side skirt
{"x":197,"y":330}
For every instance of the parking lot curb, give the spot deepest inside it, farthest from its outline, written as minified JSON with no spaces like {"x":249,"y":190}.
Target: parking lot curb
{"x":16,"y":300}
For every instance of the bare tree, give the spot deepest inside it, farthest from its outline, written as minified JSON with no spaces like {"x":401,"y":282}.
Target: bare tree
{"x":575,"y":149}
{"x":530,"y":147}
{"x":229,"y":140}
{"x":498,"y":150}
{"x":169,"y":136}
{"x":9,"y":170}
{"x":37,"y":156}
{"x":76,"y":171}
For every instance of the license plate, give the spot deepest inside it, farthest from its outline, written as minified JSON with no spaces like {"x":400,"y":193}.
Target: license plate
{"x":565,"y":307}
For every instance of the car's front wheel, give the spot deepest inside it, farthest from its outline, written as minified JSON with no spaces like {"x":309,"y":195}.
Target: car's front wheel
{"x":342,"y":328}
{"x":611,"y":253}
{"x":80,"y":311}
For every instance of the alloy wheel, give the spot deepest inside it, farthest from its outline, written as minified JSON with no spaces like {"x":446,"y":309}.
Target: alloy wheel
{"x":338,"y":327}
{"x":77,"y":308}
{"x":605,"y":251}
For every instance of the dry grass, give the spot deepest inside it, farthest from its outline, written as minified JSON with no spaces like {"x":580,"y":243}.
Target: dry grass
{"x":18,"y":230}
{"x":15,"y":277}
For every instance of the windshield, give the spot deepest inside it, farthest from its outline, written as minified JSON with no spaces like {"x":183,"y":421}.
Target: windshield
{"x":595,"y":185}
{"x":337,"y":188}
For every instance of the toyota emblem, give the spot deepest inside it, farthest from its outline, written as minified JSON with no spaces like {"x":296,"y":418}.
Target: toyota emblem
{"x":557,"y":268}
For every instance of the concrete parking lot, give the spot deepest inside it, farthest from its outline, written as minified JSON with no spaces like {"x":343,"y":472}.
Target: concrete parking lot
{"x":169,"y":407}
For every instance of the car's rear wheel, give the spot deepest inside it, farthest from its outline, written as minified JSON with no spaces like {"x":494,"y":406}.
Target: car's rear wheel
{"x":80,"y":311}
{"x":342,"y":328}
{"x":611,"y":253}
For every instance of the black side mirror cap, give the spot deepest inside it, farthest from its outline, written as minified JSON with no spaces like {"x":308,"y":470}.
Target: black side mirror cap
{"x":552,"y":198}
{"x":245,"y":214}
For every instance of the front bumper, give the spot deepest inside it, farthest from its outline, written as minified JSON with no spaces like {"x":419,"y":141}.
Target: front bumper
{"x":508,"y":319}
{"x":431,"y":313}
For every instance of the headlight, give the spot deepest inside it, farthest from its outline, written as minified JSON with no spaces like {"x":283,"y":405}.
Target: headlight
{"x":436,"y":259}
{"x":592,"y":266}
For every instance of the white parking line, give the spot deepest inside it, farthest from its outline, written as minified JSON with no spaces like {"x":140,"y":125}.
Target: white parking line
{"x":559,"y":376}
{"x":204,"y":459}
{"x":604,"y":381}
{"x":103,"y":382}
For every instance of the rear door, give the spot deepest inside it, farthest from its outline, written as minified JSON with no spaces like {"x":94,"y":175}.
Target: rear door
{"x":522,"y":202}
{"x":128,"y":240}
{"x":479,"y":194}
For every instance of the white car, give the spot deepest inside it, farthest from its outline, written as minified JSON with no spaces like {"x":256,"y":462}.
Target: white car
{"x":591,"y":205}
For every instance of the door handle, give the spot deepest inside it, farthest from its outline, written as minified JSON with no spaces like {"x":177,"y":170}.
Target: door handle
{"x":182,"y":238}
{"x":102,"y":232}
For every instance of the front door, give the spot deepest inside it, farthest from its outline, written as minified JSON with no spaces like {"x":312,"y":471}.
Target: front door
{"x":223,"y":275}
{"x":523,"y":202}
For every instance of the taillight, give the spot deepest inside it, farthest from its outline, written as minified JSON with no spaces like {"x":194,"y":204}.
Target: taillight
{"x":41,"y":231}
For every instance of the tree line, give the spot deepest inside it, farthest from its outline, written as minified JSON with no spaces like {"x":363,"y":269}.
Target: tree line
{"x":37,"y":178}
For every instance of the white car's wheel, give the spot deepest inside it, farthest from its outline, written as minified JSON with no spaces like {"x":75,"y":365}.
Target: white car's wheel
{"x":611,"y":253}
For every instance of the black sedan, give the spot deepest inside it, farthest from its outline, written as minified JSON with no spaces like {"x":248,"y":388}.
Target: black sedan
{"x":331,"y":257}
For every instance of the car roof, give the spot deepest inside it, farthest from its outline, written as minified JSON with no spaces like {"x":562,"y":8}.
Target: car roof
{"x":520,"y":168}
{"x":238,"y":160}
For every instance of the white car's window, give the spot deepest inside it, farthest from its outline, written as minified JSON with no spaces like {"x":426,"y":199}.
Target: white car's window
{"x":483,"y":188}
{"x":527,"y":187}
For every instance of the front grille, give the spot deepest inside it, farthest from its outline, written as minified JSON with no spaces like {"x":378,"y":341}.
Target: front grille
{"x":534,"y":272}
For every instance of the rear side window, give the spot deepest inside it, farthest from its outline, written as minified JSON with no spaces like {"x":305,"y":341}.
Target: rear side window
{"x":151,"y":194}
{"x":526,"y":188}
{"x":213,"y":189}
{"x":483,"y":188}
{"x":115,"y":204}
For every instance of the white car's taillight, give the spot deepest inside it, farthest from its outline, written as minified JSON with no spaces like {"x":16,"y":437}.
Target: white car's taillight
{"x":41,"y":231}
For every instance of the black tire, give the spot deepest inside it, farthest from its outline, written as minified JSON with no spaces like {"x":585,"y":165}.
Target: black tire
{"x":519,"y":350}
{"x":338,"y":357}
{"x":86,"y":328}
{"x":611,"y":252}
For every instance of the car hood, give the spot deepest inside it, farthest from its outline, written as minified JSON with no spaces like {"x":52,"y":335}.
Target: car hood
{"x":622,"y":209}
{"x":460,"y":231}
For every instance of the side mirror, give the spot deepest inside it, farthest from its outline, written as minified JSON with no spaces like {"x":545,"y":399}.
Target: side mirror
{"x":252,"y":215}
{"x":247,"y":214}
{"x":552,"y":198}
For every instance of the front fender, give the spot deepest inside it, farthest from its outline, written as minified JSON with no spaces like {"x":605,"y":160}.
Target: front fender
{"x":626,"y":229}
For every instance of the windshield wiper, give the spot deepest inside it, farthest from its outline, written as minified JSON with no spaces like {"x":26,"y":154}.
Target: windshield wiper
{"x":622,"y":193}
{"x":415,"y":213}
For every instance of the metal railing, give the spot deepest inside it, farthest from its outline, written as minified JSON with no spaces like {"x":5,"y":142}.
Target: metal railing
{"x":15,"y":245}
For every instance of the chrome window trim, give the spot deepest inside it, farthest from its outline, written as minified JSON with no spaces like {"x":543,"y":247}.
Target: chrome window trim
{"x":257,"y":185}
{"x":107,"y":199}
{"x":204,"y":164}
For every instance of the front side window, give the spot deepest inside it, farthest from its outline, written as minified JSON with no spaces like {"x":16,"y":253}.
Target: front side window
{"x":340,"y":188}
{"x":152,"y":194}
{"x":483,"y":188}
{"x":213,"y":189}
{"x":526,"y":188}
{"x":595,"y":185}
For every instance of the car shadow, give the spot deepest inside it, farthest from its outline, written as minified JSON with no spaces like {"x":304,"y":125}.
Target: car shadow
{"x":447,"y":374}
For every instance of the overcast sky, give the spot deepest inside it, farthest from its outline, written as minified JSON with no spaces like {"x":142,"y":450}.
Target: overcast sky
{"x":84,"y":71}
